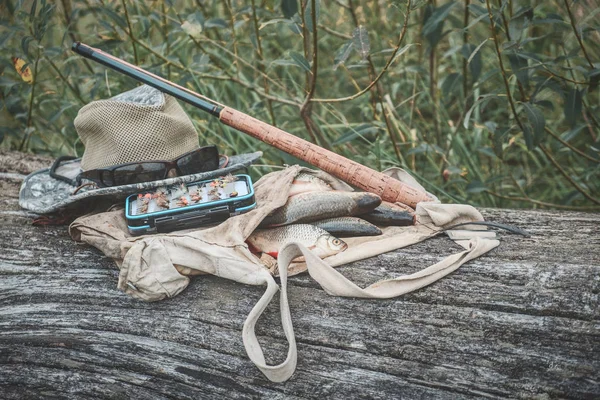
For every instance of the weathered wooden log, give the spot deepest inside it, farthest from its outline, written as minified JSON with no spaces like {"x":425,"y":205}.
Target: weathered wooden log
{"x":522,"y":321}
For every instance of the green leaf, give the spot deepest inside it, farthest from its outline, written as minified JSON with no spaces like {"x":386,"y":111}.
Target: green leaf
{"x":58,"y":113}
{"x":573,"y":106}
{"x":402,"y":51}
{"x":342,"y":54}
{"x":537,"y":121}
{"x":360,"y":38}
{"x":498,"y":139}
{"x":308,"y":12}
{"x":114,"y":16}
{"x":289,"y":8}
{"x":275,"y":21}
{"x":300,"y":60}
{"x":434,"y":22}
{"x":425,"y":148}
{"x":476,"y":187}
{"x":25,"y":45}
{"x":32,"y":11}
{"x":452,"y":83}
{"x":284,"y":62}
{"x":519,"y":65}
{"x":487,"y":151}
{"x":215,"y":23}
{"x":478,"y":103}
{"x":437,"y":18}
{"x":594,"y":77}
{"x":473,"y":57}
{"x":367,"y":132}
{"x":295,"y":26}
{"x":529,"y":141}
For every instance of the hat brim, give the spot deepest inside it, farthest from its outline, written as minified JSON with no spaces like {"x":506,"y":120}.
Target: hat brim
{"x":44,"y":194}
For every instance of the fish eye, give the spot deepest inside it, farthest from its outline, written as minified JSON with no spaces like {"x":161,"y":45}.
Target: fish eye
{"x":337,"y":242}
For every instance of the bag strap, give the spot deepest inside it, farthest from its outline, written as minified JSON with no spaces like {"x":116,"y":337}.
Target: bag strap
{"x":283,"y":371}
{"x":334,"y":283}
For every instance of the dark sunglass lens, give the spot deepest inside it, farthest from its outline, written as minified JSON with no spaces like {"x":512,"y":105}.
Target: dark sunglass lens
{"x":136,"y":173}
{"x":201,"y":160}
{"x":106,"y":178}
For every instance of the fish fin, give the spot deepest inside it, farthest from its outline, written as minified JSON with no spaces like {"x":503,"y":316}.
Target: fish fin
{"x":273,"y":254}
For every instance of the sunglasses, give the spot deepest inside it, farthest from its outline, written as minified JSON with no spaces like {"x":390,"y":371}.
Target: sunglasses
{"x":200,"y":160}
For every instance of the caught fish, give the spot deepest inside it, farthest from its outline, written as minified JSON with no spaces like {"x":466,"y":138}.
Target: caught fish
{"x":348,"y":226}
{"x":269,"y":241}
{"x":390,"y":214}
{"x":313,"y":206}
{"x":304,"y":182}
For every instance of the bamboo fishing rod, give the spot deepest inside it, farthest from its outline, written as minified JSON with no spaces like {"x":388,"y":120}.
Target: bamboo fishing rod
{"x":351,"y":172}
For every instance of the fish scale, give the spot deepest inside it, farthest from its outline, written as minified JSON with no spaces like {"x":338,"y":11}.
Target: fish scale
{"x":348,"y":227}
{"x":314,"y":206}
{"x":271,"y":240}
{"x":305,"y":182}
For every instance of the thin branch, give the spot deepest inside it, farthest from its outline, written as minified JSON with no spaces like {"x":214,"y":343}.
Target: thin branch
{"x":377,"y":95}
{"x":260,"y":65}
{"x":501,"y":64}
{"x":585,"y":105}
{"x":383,"y":71}
{"x":465,"y":41}
{"x":31,"y":97}
{"x":243,"y":61}
{"x":166,"y":34}
{"x":130,"y":33}
{"x":314,"y":69}
{"x":311,"y":78}
{"x":570,"y":146}
{"x":233,"y":36}
{"x":64,"y":79}
{"x":335,"y":33}
{"x":66,"y":6}
{"x":587,"y":57}
{"x":567,"y":177}
{"x":507,"y":31}
{"x":553,"y":74}
{"x":222,"y":78}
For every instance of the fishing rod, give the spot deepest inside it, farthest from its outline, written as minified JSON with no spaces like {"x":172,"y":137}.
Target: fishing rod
{"x":351,"y":172}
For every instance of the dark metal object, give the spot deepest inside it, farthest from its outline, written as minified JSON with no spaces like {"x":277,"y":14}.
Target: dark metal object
{"x":148,"y":78}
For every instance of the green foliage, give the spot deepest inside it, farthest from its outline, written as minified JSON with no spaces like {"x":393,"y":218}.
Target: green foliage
{"x":491,"y":103}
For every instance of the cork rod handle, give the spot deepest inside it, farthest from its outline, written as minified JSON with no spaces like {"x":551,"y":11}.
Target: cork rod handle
{"x":388,"y":188}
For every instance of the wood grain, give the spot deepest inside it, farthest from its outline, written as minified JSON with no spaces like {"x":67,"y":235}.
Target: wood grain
{"x":522,"y":321}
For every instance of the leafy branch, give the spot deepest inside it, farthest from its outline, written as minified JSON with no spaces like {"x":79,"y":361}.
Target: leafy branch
{"x":383,"y":71}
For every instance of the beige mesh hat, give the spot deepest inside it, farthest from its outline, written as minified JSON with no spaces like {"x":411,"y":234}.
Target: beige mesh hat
{"x":142,"y":124}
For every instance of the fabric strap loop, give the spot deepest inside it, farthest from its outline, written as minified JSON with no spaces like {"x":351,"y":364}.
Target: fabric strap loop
{"x":283,"y":371}
{"x":336,"y":284}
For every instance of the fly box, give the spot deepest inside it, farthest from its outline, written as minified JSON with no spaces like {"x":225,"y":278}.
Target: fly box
{"x":189,"y":206}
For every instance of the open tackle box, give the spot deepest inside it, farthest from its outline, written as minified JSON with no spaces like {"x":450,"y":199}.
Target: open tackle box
{"x":189,"y":206}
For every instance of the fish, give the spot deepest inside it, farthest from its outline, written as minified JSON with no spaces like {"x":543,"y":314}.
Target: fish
{"x":304,"y":182}
{"x":390,"y":214}
{"x":347,"y":226}
{"x":270,"y":241}
{"x":313,"y":206}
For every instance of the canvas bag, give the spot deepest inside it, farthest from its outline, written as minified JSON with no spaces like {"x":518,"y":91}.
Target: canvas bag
{"x":155,"y":267}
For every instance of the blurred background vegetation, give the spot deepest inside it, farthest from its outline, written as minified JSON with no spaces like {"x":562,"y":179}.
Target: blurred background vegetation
{"x":493,"y":103}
